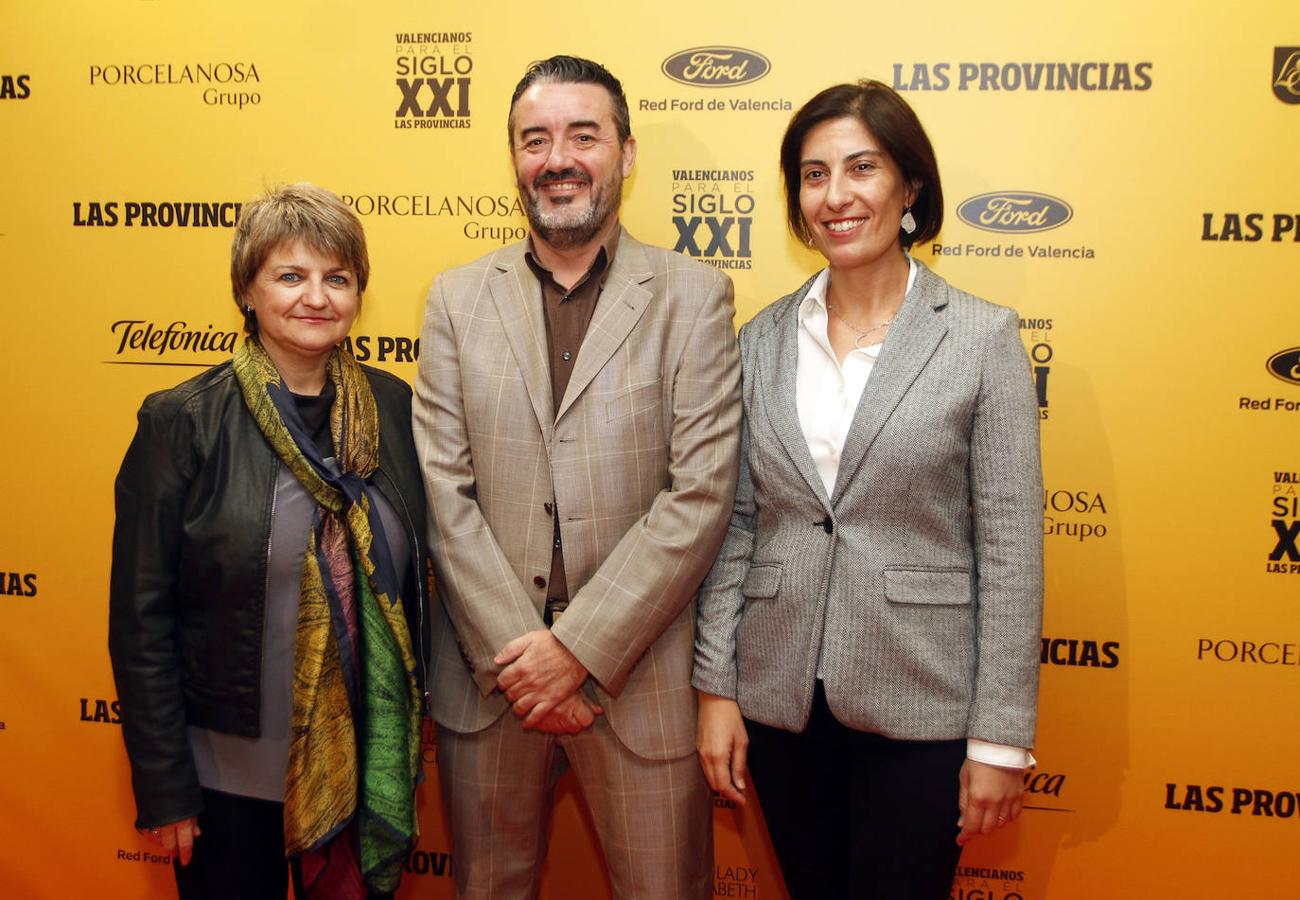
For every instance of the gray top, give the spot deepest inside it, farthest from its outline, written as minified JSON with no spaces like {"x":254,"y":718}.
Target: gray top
{"x":255,"y":767}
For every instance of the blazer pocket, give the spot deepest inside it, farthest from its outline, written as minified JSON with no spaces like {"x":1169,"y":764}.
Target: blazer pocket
{"x":762,"y":581}
{"x":935,"y":587}
{"x":635,"y":401}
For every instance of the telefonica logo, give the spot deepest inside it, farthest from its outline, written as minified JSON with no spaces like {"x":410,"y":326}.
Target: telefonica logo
{"x":1285,"y":364}
{"x":1015,"y":212}
{"x":716,"y":66}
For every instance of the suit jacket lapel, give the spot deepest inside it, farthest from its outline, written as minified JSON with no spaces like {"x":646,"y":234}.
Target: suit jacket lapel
{"x":912,"y":340}
{"x":518,"y":298}
{"x":778,"y":366}
{"x":620,"y":306}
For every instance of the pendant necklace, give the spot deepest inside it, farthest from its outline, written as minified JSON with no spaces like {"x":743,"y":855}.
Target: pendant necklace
{"x":861,"y":332}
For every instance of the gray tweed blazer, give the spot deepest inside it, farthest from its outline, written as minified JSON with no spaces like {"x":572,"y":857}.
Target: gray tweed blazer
{"x":919,"y":579}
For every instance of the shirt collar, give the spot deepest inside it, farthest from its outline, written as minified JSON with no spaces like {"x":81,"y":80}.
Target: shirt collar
{"x":816,"y":296}
{"x":600,"y":266}
{"x":813,"y":315}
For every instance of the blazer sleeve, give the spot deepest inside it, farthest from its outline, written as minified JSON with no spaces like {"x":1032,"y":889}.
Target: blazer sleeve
{"x":1006,"y":486}
{"x":142,"y":613}
{"x":657,"y":566}
{"x":721,"y":602}
{"x":487,"y":604}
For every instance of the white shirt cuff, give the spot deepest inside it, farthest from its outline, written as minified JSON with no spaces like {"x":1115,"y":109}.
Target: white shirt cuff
{"x":999,"y":755}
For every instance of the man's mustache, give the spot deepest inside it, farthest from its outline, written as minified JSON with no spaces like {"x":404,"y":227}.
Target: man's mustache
{"x":562,"y":175}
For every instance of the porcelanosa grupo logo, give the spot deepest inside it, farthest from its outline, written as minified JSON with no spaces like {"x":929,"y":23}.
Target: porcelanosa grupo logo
{"x":1285,"y":365}
{"x":1015,"y":212}
{"x":716,"y":66}
{"x":234,"y":84}
{"x":482,"y":216}
{"x":1286,"y":74}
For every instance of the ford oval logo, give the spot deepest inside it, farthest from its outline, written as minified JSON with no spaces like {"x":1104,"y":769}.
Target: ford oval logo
{"x":1016,"y":212}
{"x":1285,"y":365}
{"x":716,"y":66}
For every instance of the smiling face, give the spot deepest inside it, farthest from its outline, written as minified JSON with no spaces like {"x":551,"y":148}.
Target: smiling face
{"x":851,"y":194}
{"x":305,"y":302}
{"x":569,"y":162}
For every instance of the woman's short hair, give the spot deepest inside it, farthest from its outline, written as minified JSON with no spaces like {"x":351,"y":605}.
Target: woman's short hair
{"x":893,"y":123}
{"x":295,"y":212}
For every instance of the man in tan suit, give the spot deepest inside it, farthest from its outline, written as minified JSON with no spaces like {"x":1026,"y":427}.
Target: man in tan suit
{"x":577,"y":416}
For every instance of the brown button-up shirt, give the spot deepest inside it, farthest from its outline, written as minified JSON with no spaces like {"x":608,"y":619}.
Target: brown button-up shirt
{"x":568,"y":313}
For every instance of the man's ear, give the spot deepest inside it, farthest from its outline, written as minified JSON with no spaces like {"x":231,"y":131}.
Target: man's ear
{"x":629,"y":156}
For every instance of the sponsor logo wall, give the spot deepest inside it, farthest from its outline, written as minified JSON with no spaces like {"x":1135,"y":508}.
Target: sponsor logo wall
{"x":1135,"y":205}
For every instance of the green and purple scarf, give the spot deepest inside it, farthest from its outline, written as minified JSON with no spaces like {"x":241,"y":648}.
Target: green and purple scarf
{"x":349,"y":807}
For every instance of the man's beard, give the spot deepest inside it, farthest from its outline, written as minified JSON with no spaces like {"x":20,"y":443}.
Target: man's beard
{"x":564,"y":228}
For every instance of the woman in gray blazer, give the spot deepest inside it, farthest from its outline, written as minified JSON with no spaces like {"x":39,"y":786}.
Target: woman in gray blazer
{"x":868,"y":638}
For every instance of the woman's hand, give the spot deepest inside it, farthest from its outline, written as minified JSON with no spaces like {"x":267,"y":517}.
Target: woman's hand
{"x":990,"y":797}
{"x":177,"y":838}
{"x":722,"y":744}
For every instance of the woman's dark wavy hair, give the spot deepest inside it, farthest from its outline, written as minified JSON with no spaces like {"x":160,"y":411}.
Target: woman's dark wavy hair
{"x":893,"y":123}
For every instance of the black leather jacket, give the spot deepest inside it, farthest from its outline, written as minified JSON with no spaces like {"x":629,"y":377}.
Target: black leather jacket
{"x":195,"y":496}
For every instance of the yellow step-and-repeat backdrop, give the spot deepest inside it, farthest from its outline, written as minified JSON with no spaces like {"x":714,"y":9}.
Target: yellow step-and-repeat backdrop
{"x":1154,"y":147}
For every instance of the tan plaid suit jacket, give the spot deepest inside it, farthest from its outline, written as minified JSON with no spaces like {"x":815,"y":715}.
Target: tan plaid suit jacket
{"x":641,"y":458}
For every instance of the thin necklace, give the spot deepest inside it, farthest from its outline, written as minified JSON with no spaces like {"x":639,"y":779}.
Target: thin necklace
{"x":861,"y":332}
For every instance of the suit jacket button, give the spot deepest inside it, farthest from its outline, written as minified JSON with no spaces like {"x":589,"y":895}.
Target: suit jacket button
{"x":539,"y":581}
{"x":548,"y":508}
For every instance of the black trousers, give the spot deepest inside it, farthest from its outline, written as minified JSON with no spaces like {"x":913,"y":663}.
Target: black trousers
{"x":240,"y":854}
{"x":853,"y":814}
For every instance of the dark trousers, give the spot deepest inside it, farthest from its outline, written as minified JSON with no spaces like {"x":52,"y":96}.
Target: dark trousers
{"x":858,"y":815}
{"x":240,"y":854}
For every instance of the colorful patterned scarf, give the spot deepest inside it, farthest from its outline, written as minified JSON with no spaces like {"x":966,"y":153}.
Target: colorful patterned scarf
{"x":349,"y":806}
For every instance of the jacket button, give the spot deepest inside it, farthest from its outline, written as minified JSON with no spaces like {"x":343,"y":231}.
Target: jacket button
{"x":548,"y":508}
{"x":539,"y":581}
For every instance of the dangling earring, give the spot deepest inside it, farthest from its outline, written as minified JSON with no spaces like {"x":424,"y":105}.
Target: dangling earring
{"x":908,"y":223}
